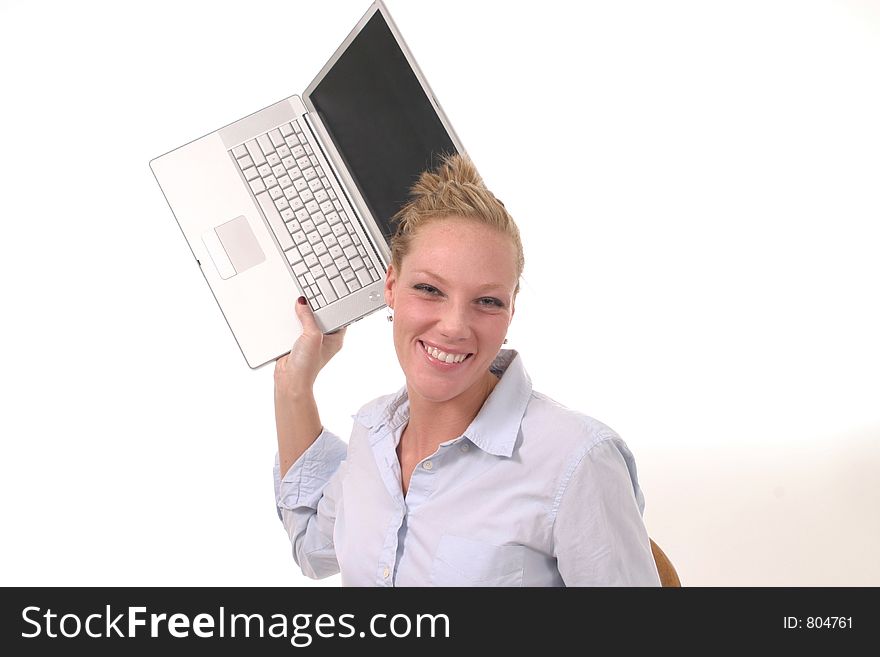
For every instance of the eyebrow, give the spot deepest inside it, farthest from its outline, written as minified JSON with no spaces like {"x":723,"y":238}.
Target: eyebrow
{"x":443,"y":281}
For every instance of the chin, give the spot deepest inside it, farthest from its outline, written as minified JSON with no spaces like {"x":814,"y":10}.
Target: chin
{"x":432,"y":390}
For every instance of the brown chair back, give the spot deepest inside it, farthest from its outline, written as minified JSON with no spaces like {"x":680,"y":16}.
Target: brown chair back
{"x":668,"y":576}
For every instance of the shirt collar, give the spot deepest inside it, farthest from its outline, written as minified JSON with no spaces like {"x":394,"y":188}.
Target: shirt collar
{"x":496,"y":426}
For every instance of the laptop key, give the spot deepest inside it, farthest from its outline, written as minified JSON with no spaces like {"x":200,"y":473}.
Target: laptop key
{"x":339,"y":287}
{"x":363,"y":276}
{"x":265,"y":145}
{"x":240,"y":151}
{"x":255,"y":152}
{"x":275,"y":220}
{"x":326,"y":289}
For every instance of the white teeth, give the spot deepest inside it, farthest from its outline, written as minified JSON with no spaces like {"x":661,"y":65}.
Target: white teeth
{"x":443,"y":356}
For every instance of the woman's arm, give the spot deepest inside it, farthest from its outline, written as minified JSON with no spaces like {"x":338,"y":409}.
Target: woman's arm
{"x":599,"y":536}
{"x":308,"y":473}
{"x":297,"y":421}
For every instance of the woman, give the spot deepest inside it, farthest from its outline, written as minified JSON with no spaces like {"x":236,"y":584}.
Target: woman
{"x":466,"y":476}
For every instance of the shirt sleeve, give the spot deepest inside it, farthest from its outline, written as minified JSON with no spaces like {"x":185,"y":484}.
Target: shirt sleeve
{"x":307,"y":498}
{"x":599,"y":536}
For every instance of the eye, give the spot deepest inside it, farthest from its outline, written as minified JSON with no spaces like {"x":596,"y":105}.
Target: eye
{"x":490,"y":302}
{"x":427,"y":289}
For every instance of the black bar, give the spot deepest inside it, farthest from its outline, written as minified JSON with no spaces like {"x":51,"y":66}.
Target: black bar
{"x":556,"y":620}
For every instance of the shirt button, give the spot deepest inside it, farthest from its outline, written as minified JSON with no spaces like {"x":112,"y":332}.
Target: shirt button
{"x":464,"y":447}
{"x":427,"y":465}
{"x":385,"y":573}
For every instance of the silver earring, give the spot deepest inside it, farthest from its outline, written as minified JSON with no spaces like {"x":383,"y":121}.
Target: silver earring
{"x":390,"y":316}
{"x":505,"y":341}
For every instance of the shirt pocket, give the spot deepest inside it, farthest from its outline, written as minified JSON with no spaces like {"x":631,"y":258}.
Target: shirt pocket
{"x":465,"y":562}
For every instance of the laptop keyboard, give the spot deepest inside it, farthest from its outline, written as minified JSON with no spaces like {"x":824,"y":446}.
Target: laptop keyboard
{"x":315,"y":232}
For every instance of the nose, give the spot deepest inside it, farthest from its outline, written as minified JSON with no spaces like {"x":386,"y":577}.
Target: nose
{"x":453,"y":323}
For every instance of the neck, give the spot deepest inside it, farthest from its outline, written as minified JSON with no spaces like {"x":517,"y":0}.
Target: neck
{"x":431,"y":423}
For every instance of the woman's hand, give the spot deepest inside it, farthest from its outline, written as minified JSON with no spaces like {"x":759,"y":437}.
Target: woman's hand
{"x":295,"y":373}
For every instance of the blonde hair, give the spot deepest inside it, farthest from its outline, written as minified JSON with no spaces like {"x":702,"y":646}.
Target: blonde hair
{"x":455,"y":189}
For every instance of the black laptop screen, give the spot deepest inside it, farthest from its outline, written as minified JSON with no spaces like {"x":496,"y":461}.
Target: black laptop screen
{"x":380,"y":120}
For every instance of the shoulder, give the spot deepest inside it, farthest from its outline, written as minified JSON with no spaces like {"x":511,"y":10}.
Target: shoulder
{"x":380,"y":409}
{"x":566,"y":446}
{"x":563,"y":426}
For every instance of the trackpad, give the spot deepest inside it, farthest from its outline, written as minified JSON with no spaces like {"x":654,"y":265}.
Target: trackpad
{"x":240,"y":249}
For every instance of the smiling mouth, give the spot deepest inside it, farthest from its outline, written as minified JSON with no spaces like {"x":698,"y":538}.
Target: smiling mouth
{"x":442,"y":356}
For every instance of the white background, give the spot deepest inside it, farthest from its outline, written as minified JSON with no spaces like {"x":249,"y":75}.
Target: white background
{"x":697,"y":187}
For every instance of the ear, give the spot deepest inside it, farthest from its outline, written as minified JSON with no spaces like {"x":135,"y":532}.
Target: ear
{"x":390,"y":282}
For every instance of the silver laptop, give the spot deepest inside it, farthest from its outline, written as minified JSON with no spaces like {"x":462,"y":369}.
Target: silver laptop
{"x":297,"y":199}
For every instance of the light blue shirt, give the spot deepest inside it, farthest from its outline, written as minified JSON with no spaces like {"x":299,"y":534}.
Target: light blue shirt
{"x":532,"y":494}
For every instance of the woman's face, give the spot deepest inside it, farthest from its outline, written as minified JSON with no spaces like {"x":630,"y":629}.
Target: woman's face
{"x":453,"y":301}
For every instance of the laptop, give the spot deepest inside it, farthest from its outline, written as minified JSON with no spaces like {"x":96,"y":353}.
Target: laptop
{"x":297,"y":199}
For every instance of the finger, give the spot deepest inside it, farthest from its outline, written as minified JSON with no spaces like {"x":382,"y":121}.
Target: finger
{"x":306,"y":317}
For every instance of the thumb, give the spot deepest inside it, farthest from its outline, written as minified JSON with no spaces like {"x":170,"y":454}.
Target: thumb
{"x":306,"y":317}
